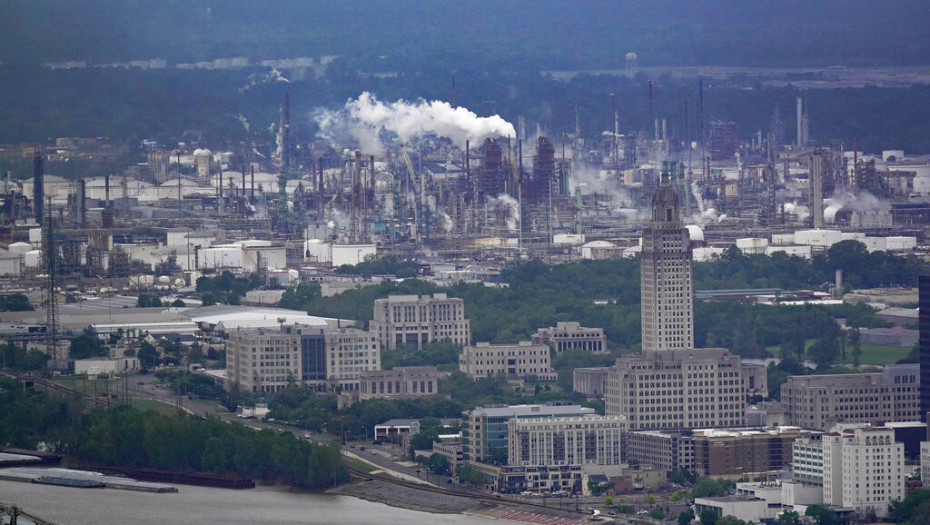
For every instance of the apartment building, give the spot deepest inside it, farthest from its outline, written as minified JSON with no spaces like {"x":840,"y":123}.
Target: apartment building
{"x":863,"y":469}
{"x":574,"y":440}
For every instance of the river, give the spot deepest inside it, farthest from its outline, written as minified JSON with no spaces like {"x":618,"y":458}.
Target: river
{"x":209,"y":506}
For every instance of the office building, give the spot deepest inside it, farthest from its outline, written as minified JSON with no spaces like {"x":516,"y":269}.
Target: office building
{"x":571,"y":336}
{"x":269,"y":359}
{"x":401,"y":382}
{"x":568,"y":440}
{"x":820,"y":401}
{"x":513,"y":361}
{"x":665,"y":270}
{"x":863,"y":469}
{"x":484,"y":429}
{"x":414,"y":321}
{"x":678,"y":389}
{"x":807,"y":460}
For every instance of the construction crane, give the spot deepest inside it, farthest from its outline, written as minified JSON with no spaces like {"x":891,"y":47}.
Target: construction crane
{"x":417,"y":191}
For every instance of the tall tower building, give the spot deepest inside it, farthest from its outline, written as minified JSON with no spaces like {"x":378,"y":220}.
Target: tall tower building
{"x":924,"y":325}
{"x":667,"y":298}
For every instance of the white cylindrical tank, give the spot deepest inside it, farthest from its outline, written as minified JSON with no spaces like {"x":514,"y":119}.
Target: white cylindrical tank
{"x":782,"y":239}
{"x":19,"y":248}
{"x":800,"y":251}
{"x":706,"y":253}
{"x":33,"y":258}
{"x":752,"y":245}
{"x":922,"y":185}
{"x":874,"y":244}
{"x":318,"y":250}
{"x":35,"y":236}
{"x":900,"y":243}
{"x":164,"y":279}
{"x":818,"y":237}
{"x":572,"y":239}
{"x":695,"y":233}
{"x":898,"y":154}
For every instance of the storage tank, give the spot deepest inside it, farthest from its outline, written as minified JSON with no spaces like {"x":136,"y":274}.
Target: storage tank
{"x":782,"y":239}
{"x":800,"y":251}
{"x":706,"y":253}
{"x":33,"y":258}
{"x":752,"y":245}
{"x":874,"y":244}
{"x":818,"y":237}
{"x":19,"y":248}
{"x":900,"y":243}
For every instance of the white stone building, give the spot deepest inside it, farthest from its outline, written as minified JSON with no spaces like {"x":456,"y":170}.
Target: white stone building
{"x":863,"y":468}
{"x":414,"y":321}
{"x":514,"y":361}
{"x":580,"y":440}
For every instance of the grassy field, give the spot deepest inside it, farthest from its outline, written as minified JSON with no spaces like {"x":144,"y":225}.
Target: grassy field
{"x":871,"y":354}
{"x":882,"y":355}
{"x":359,"y":465}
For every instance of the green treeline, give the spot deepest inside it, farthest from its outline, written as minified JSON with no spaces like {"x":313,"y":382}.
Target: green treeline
{"x":535,"y":295}
{"x":124,"y":436}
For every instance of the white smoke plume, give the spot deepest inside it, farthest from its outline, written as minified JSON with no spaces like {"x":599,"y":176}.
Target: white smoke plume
{"x":799,"y":210}
{"x":245,"y":123}
{"x":446,"y":221}
{"x":368,"y":121}
{"x":507,"y":208}
{"x":858,"y":201}
{"x":704,"y":217}
{"x":594,"y":181}
{"x":267,"y":77}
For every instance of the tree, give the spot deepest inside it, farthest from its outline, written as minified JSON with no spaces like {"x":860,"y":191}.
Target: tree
{"x":657,"y":514}
{"x":145,"y":300}
{"x":15,"y":302}
{"x":148,"y":355}
{"x":86,"y":345}
{"x":685,"y":518}
{"x":707,"y":488}
{"x":649,"y":499}
{"x":822,"y":515}
{"x":468,"y":474}
{"x":709,"y":517}
{"x":177,"y":303}
{"x":789,"y":517}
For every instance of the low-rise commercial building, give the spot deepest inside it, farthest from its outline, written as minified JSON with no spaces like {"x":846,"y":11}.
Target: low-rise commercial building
{"x":571,"y":336}
{"x":513,"y":361}
{"x":400,"y":382}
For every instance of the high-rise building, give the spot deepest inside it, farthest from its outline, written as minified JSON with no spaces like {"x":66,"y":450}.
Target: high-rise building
{"x":672,"y":385}
{"x":414,"y":321}
{"x":665,"y":270}
{"x":924,"y":325}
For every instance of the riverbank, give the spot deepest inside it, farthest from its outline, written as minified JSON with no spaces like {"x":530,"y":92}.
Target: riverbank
{"x":406,"y":497}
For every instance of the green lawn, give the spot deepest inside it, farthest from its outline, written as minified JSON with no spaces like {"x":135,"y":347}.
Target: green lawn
{"x":871,"y":354}
{"x":882,"y":355}
{"x":360,"y":465}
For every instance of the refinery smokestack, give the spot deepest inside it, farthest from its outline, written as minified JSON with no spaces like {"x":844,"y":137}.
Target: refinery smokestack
{"x":38,"y":195}
{"x":838,"y":287}
{"x":800,"y":122}
{"x":816,"y":188}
